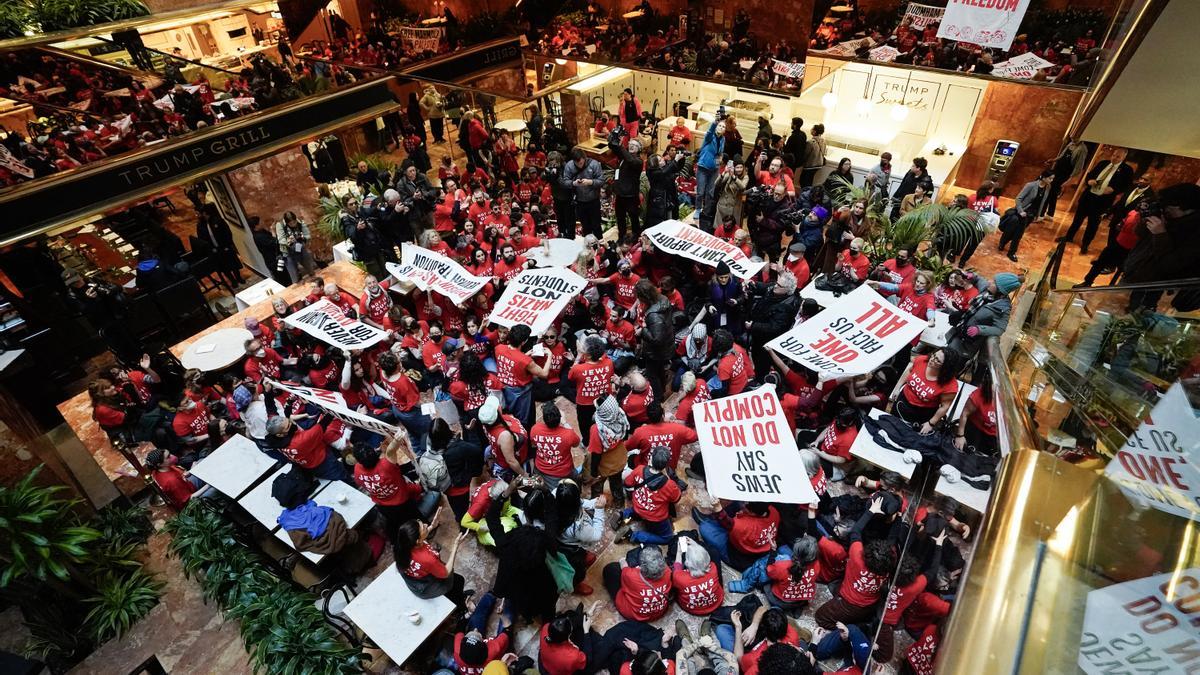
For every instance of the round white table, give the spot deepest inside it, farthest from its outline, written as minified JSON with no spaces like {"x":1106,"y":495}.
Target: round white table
{"x":217,"y":350}
{"x":514,"y":126}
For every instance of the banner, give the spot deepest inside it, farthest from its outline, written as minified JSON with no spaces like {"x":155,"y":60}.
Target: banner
{"x":1157,"y":464}
{"x":430,"y":270}
{"x":919,"y":16}
{"x":1021,"y":67}
{"x":847,"y":48}
{"x":681,"y":239}
{"x":1143,"y":626}
{"x":787,"y":69}
{"x":536,"y":297}
{"x":987,"y":23}
{"x":10,"y":162}
{"x":853,"y":336}
{"x":329,"y":324}
{"x":749,"y":451}
{"x":421,"y":39}
{"x":884,"y":53}
{"x":333,"y":403}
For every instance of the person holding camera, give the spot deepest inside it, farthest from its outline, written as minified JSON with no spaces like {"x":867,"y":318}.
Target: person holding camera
{"x":417,"y":195}
{"x":627,"y":183}
{"x":561,"y":193}
{"x":368,"y":243}
{"x":706,"y":163}
{"x":293,"y":236}
{"x":585,"y":177}
{"x":662,"y":203}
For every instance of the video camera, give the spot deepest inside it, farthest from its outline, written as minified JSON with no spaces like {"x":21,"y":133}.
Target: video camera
{"x":758,"y":197}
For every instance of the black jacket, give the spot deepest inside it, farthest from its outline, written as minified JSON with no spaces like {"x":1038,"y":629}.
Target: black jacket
{"x":657,"y":340}
{"x":909,"y":183}
{"x":795,"y":146}
{"x":1120,"y":183}
{"x":663,"y":194}
{"x":628,"y":180}
{"x":772,"y":314}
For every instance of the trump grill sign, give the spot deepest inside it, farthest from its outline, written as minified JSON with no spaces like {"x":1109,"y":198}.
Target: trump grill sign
{"x":749,"y":451}
{"x":853,"y":336}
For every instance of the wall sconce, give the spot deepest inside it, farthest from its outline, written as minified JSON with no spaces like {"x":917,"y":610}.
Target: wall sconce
{"x":829,"y":100}
{"x":561,"y":62}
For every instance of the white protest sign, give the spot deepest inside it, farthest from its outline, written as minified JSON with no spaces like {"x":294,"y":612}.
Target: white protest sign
{"x":1143,"y":626}
{"x":787,"y":69}
{"x":328,"y":323}
{"x":333,"y":403}
{"x":884,"y":53}
{"x":749,"y":451}
{"x":420,"y":39}
{"x":536,"y":297}
{"x":1157,"y":464}
{"x":1021,"y":67}
{"x":987,"y":23}
{"x":10,"y":162}
{"x":679,"y":238}
{"x":853,"y":336}
{"x":430,"y":270}
{"x":919,"y":16}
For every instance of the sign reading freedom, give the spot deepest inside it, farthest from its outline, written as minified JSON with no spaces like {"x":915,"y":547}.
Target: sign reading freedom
{"x":430,"y":270}
{"x":679,"y":238}
{"x":333,"y":403}
{"x":328,"y":323}
{"x":853,"y":336}
{"x":536,"y":297}
{"x":749,"y":451}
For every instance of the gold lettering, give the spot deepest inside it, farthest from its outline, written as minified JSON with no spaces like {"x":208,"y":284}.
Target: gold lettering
{"x":143,"y":172}
{"x":217,"y":147}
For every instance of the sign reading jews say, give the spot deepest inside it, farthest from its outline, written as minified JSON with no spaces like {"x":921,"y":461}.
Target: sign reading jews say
{"x":1147,"y":625}
{"x":328,"y":323}
{"x":749,"y":451}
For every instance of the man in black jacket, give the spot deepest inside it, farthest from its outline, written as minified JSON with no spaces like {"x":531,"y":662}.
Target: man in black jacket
{"x":917,"y":175}
{"x":796,"y":144}
{"x":663,"y":201}
{"x":563,"y":196}
{"x":627,"y":183}
{"x":772,"y":315}
{"x":656,"y":343}
{"x":416,"y":191}
{"x":1109,"y":178}
{"x":368,"y":243}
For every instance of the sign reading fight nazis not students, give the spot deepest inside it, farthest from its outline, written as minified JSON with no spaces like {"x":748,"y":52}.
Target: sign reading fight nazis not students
{"x":536,"y":297}
{"x":749,"y":451}
{"x":328,"y":323}
{"x":679,"y":238}
{"x":853,"y":336}
{"x":430,"y":270}
{"x":333,"y":403}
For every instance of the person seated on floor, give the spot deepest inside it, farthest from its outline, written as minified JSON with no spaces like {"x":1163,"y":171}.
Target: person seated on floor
{"x":696,"y":578}
{"x":472,"y":651}
{"x":320,"y":530}
{"x":744,"y":537}
{"x":833,"y":446}
{"x":768,"y":626}
{"x":640,"y":592}
{"x":564,"y":643}
{"x":654,"y":495}
{"x":868,"y":568}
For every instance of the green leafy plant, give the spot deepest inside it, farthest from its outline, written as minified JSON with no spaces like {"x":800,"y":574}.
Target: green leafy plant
{"x":44,"y":535}
{"x":59,"y":14}
{"x":330,"y":222}
{"x":15,"y":17}
{"x":121,"y":602}
{"x":125,"y":524}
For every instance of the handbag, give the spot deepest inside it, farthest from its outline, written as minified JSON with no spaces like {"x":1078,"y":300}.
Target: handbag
{"x":562,"y":571}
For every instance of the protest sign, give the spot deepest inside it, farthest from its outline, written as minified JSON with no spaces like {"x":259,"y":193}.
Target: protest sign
{"x":420,"y":39}
{"x":787,"y":69}
{"x":1021,"y":67}
{"x":681,"y":239}
{"x":333,"y":403}
{"x":919,"y":16}
{"x":749,"y":451}
{"x":987,"y":23}
{"x":430,"y":270}
{"x":1157,"y":464}
{"x":853,"y":336}
{"x":10,"y":162}
{"x":328,"y":323}
{"x":884,"y":53}
{"x":1146,"y":625}
{"x":536,"y":297}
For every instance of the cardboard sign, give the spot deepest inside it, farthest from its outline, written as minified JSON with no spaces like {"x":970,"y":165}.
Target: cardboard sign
{"x":855,"y":335}
{"x":329,"y":324}
{"x":430,"y":270}
{"x":884,"y":53}
{"x":420,"y":39}
{"x":920,"y":16}
{"x":333,"y":403}
{"x":987,"y":23}
{"x":1143,"y":626}
{"x":1157,"y":464}
{"x":10,"y":162}
{"x":536,"y":297}
{"x":1022,"y":67}
{"x":787,"y":69}
{"x":749,"y":451}
{"x":679,"y":238}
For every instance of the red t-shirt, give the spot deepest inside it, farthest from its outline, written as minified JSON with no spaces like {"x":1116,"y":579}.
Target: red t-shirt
{"x":683,"y":412}
{"x":861,"y":586}
{"x":735,"y":368}
{"x":623,"y":289}
{"x":925,"y":393}
{"x":800,"y":269}
{"x":109,"y":417}
{"x":175,"y":486}
{"x":496,"y":647}
{"x":402,"y":391}
{"x":671,"y":434}
{"x":385,"y":484}
{"x":138,"y":379}
{"x":680,"y":135}
{"x":837,"y":442}
{"x":635,"y":404}
{"x":192,"y":422}
{"x":749,"y":662}
{"x":754,"y":534}
{"x":559,"y":658}
{"x":700,"y":595}
{"x":431,"y":355}
{"x":626,"y":668}
{"x":259,"y":366}
{"x":425,"y":562}
{"x":307,"y":447}
{"x":899,"y":275}
{"x":899,"y":599}
{"x":832,"y":557}
{"x":521,"y":452}
{"x":321,"y":378}
{"x":926,"y":610}
{"x":641,"y":599}
{"x":376,"y":308}
{"x":552,"y":449}
{"x":650,"y":504}
{"x":860,"y":265}
{"x":470,"y":397}
{"x":983,"y":417}
{"x":512,"y":366}
{"x":554,"y":365}
{"x":790,"y":590}
{"x":923,"y":652}
{"x":591,"y":380}
{"x":917,"y":305}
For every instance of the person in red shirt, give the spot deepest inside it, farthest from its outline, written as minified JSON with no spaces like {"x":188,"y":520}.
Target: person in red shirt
{"x":694,"y":391}
{"x":516,"y":369}
{"x":639,"y":397}
{"x":734,"y":369}
{"x":433,"y":355}
{"x":868,"y":568}
{"x":623,"y":283}
{"x":472,"y":651}
{"x":833,"y":446}
{"x":508,"y":439}
{"x":263,"y":361}
{"x":176,"y":485}
{"x":926,"y":389}
{"x":900,"y":269}
{"x":654,"y":495}
{"x":558,"y":653}
{"x":1112,"y":257}
{"x":956,"y":293}
{"x":306,"y":447}
{"x":641,"y":593}
{"x":680,"y":136}
{"x":977,"y":424}
{"x":380,"y":476}
{"x":553,"y":386}
{"x":191,"y":419}
{"x":421,"y":566}
{"x":743,"y":539}
{"x":923,"y":651}
{"x":592,"y":377}
{"x":405,"y":399}
{"x":657,"y":432}
{"x":509,"y":265}
{"x":907,"y":586}
{"x":774,"y":175}
{"x":768,"y":627}
{"x":696,"y":579}
{"x":374,"y":305}
{"x":794,"y":582}
{"x":795,"y":263}
{"x":109,"y":409}
{"x":853,"y":263}
{"x":553,"y":444}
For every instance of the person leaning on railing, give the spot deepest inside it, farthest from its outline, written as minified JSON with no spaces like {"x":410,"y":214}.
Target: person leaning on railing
{"x":986,"y":316}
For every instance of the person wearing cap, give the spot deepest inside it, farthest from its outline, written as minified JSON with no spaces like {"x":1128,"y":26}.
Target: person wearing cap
{"x":507,"y":438}
{"x":175,"y":484}
{"x":793,"y":261}
{"x":986,"y":316}
{"x":472,"y":651}
{"x":627,"y":184}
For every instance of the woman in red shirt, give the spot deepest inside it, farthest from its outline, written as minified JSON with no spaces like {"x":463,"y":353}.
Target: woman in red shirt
{"x":640,"y":593}
{"x":794,"y":582}
{"x":379,"y":475}
{"x":558,"y":654}
{"x":108,"y":409}
{"x":977,"y":425}
{"x":173,"y":482}
{"x":926,"y":389}
{"x":696,"y":579}
{"x":421,"y":566}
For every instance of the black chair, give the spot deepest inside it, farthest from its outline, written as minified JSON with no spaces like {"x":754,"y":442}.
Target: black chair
{"x":184,"y":305}
{"x":144,"y":320}
{"x":596,"y":108}
{"x":202,"y":264}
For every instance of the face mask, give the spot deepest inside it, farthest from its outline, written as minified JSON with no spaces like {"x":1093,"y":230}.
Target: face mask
{"x":901,"y":262}
{"x":626,"y":273}
{"x":435,"y":338}
{"x":260,"y":353}
{"x":853,"y":253}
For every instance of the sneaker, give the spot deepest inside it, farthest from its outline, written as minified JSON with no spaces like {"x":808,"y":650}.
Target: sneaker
{"x":1108,"y":270}
{"x":582,"y":588}
{"x":1083,"y":284}
{"x":1012,"y":257}
{"x":707,"y":629}
{"x":693,"y":474}
{"x":681,"y":629}
{"x":737,"y":586}
{"x":623,"y":533}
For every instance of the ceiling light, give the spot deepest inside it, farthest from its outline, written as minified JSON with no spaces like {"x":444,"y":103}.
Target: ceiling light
{"x":829,"y":100}
{"x":899,"y":112}
{"x":561,"y":62}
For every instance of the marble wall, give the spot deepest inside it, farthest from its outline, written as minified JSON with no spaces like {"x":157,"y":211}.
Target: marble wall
{"x":769,"y":20}
{"x":281,"y":183}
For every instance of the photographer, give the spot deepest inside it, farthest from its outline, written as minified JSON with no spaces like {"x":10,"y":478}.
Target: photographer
{"x":368,"y":243}
{"x":418,"y":196}
{"x":627,"y":183}
{"x":773,"y":311}
{"x":585,"y":177}
{"x":293,"y":236}
{"x":560,"y":193}
{"x":662,"y":203}
{"x":770,"y":222}
{"x":731,"y":184}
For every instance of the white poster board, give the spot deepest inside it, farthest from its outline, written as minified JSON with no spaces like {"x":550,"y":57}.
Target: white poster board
{"x":919,"y":16}
{"x":749,"y":451}
{"x":853,"y":336}
{"x":1143,"y":626}
{"x":679,"y":238}
{"x":1157,"y":465}
{"x":329,"y":324}
{"x":1022,"y":67}
{"x":536,"y":297}
{"x":333,"y":403}
{"x":787,"y":69}
{"x":987,"y":23}
{"x":430,"y":270}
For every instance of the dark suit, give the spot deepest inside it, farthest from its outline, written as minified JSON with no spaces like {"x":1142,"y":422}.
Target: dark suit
{"x":1123,"y":206}
{"x":1092,"y":206}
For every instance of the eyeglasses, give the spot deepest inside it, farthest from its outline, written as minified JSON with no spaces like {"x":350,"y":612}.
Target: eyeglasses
{"x":550,"y":338}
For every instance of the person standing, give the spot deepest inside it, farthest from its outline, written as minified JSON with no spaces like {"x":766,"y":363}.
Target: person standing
{"x":1070,"y":162}
{"x":1140,"y":192}
{"x":814,"y":155}
{"x":433,"y":106}
{"x":1109,"y":178}
{"x":730,"y":186}
{"x":293,"y":236}
{"x":561,"y":193}
{"x":630,"y":113}
{"x":796,"y":144}
{"x":917,"y":175}
{"x":584,"y":175}
{"x":706,"y":163}
{"x":413,"y":113}
{"x":1029,"y":203}
{"x":627,"y":184}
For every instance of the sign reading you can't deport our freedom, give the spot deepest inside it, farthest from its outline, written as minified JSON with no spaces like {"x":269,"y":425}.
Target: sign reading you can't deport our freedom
{"x":749,"y":451}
